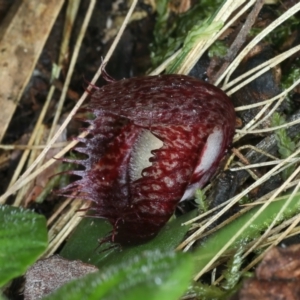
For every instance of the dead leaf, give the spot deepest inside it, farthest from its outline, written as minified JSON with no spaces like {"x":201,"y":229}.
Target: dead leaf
{"x":22,"y":38}
{"x":277,"y":277}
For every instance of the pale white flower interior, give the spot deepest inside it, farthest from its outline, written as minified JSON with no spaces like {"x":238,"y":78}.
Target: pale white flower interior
{"x":209,"y":154}
{"x":145,"y":143}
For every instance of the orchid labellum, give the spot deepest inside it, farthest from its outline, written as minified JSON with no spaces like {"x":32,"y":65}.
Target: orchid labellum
{"x":153,"y":141}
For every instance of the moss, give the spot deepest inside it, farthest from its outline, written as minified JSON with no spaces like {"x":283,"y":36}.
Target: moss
{"x":171,"y":30}
{"x":286,"y":146}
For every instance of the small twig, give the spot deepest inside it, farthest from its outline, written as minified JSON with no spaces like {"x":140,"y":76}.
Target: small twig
{"x":240,"y":38}
{"x":242,"y":158}
{"x":257,"y":150}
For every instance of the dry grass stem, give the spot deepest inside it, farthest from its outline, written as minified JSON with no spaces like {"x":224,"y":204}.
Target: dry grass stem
{"x":286,"y":125}
{"x":240,"y":38}
{"x":72,"y":10}
{"x":257,"y":120}
{"x":239,"y":133}
{"x":260,"y":257}
{"x":31,"y":141}
{"x":261,"y":200}
{"x":264,"y":164}
{"x":25,"y":178}
{"x":164,"y":65}
{"x":232,"y":67}
{"x":222,"y":16}
{"x":58,"y":234}
{"x":236,"y":199}
{"x":279,"y":215}
{"x":282,"y":94}
{"x":58,"y":211}
{"x":259,"y":70}
{"x":35,"y":147}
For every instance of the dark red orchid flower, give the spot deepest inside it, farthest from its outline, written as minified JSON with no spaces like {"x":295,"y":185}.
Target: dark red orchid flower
{"x":152,"y":143}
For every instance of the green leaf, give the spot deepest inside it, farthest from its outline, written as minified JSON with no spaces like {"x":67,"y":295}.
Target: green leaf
{"x":149,"y":276}
{"x":23,"y":237}
{"x":84,"y":243}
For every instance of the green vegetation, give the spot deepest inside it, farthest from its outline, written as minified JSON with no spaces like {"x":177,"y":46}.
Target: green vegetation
{"x":171,"y":30}
{"x":286,"y":146}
